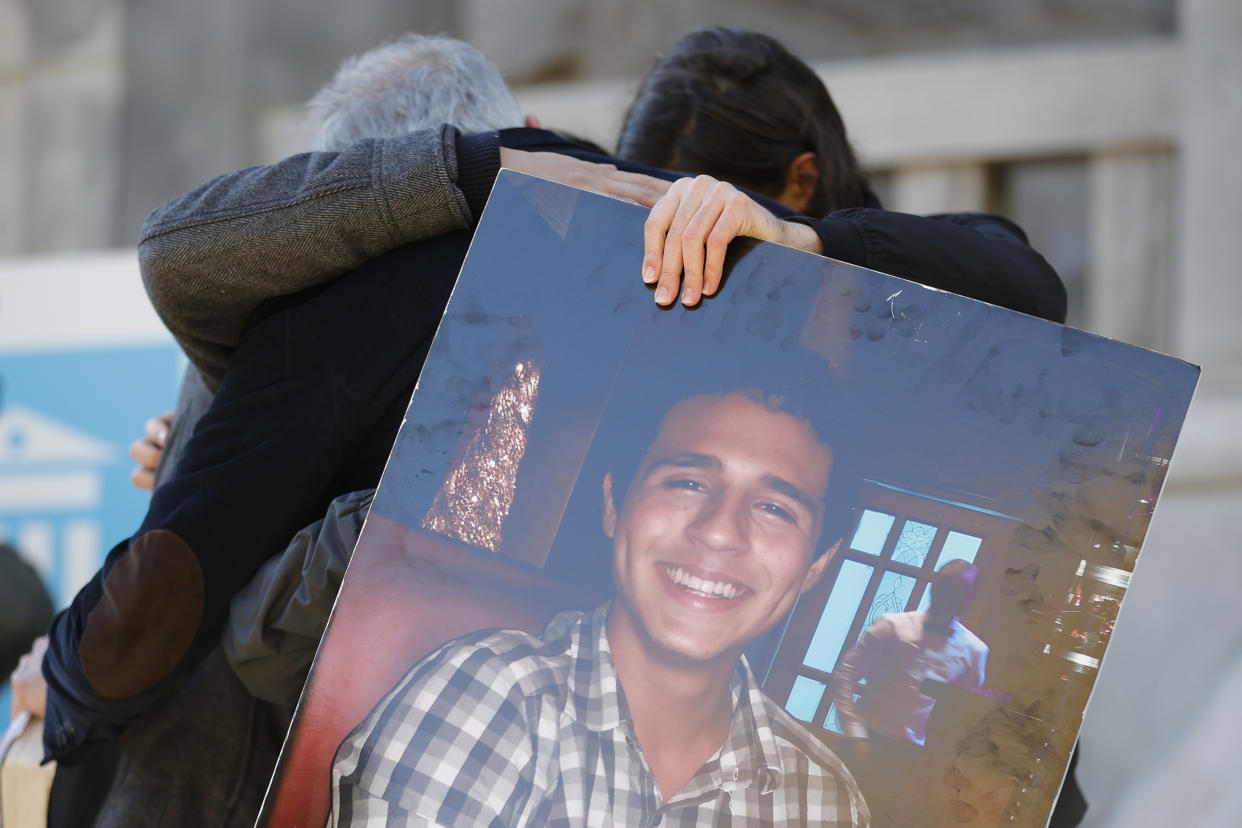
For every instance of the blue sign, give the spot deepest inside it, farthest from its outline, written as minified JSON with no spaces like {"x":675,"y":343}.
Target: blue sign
{"x":67,"y":419}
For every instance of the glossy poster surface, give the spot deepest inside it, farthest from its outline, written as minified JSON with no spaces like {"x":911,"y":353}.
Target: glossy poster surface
{"x":992,"y":477}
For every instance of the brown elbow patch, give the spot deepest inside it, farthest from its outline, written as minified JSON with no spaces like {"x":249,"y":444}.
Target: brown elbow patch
{"x":151,"y":608}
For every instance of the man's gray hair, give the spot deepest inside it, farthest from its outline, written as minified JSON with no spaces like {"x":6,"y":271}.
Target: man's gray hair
{"x":414,"y":82}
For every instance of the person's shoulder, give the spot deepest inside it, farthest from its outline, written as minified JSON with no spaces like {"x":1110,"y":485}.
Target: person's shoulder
{"x":793,"y":737}
{"x":888,"y":623}
{"x":815,"y":766}
{"x":511,"y":660}
{"x":971,"y":640}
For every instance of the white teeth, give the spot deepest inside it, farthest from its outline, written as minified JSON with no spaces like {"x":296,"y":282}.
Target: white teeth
{"x":719,"y":589}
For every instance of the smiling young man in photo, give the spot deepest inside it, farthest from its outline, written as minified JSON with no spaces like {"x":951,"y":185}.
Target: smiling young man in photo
{"x":645,"y":711}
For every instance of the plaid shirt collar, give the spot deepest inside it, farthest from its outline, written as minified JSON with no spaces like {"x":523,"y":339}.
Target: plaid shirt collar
{"x":749,"y":753}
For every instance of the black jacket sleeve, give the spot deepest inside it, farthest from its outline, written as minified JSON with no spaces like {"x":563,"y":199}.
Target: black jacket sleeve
{"x":971,"y":254}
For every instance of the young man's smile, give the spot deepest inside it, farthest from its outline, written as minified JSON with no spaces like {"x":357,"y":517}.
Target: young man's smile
{"x":706,"y":585}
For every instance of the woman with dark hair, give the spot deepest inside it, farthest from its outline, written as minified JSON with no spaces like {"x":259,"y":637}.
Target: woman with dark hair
{"x":739,"y":110}
{"x":739,"y":106}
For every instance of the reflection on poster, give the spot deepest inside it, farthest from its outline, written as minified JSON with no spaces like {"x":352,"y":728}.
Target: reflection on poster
{"x":916,"y":516}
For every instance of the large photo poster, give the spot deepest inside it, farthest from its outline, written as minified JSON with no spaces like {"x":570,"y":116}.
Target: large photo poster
{"x":883,"y":532}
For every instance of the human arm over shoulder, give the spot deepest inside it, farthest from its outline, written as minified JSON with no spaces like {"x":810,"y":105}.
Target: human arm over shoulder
{"x":981,"y":256}
{"x":210,"y":257}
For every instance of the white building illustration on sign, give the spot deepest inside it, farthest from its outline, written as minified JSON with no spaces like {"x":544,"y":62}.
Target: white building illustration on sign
{"x":51,"y":490}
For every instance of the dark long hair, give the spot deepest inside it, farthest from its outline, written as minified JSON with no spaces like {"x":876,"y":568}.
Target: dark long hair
{"x":739,"y":106}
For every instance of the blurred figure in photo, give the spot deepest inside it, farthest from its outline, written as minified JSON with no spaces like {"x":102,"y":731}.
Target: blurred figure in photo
{"x":901,"y":650}
{"x":879,"y":687}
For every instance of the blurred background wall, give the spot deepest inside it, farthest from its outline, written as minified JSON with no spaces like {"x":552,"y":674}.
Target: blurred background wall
{"x":1106,"y":128}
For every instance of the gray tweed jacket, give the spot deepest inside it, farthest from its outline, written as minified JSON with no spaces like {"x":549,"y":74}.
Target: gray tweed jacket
{"x":209,"y":258}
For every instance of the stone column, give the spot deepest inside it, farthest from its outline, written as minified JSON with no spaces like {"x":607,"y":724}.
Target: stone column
{"x":14,"y":68}
{"x":71,"y":123}
{"x":1132,"y":203}
{"x":945,"y":188}
{"x":1209,"y":308}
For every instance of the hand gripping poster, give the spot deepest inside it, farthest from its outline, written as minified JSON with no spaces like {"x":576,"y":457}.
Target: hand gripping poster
{"x":828,"y":548}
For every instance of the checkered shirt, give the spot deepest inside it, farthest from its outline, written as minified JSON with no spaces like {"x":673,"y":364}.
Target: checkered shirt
{"x":508,"y":729}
